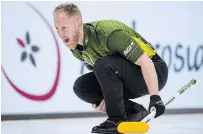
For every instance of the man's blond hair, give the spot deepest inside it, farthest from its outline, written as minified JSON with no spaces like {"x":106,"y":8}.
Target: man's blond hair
{"x":69,"y":8}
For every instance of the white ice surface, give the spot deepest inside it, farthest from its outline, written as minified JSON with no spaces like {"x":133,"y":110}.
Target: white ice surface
{"x":167,"y":124}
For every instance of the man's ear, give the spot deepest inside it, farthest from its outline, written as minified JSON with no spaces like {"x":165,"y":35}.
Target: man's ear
{"x":79,"y":20}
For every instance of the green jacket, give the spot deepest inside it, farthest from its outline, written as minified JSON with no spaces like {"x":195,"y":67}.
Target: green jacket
{"x":108,"y":36}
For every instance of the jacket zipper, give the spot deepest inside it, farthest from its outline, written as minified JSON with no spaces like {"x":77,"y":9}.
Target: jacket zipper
{"x":89,"y":57}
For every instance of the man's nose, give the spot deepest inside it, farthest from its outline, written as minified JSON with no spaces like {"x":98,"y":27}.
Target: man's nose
{"x":61,"y":33}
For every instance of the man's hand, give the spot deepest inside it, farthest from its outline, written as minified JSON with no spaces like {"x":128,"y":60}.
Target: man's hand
{"x":155,"y":101}
{"x":101,"y":107}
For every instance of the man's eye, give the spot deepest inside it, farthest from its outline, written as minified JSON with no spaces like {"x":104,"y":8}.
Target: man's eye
{"x":63,"y":28}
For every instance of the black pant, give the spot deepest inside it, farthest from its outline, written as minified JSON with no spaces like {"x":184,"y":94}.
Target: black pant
{"x":116,"y":80}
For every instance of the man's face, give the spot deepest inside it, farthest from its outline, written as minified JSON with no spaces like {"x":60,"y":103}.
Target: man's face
{"x":67,"y":28}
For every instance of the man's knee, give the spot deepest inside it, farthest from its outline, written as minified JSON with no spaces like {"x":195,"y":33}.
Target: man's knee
{"x":86,"y":93}
{"x":77,"y":87}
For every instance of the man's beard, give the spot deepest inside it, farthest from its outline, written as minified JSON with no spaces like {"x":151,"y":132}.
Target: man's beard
{"x":76,"y":38}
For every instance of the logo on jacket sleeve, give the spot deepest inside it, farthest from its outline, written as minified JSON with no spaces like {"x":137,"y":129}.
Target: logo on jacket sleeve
{"x":129,"y":48}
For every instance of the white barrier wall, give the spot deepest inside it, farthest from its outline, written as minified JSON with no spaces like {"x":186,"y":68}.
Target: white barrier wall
{"x":42,"y":83}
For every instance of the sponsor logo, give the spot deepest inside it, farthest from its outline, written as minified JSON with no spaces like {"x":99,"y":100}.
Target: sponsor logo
{"x":25,"y":54}
{"x":29,"y":52}
{"x":128,"y":49}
